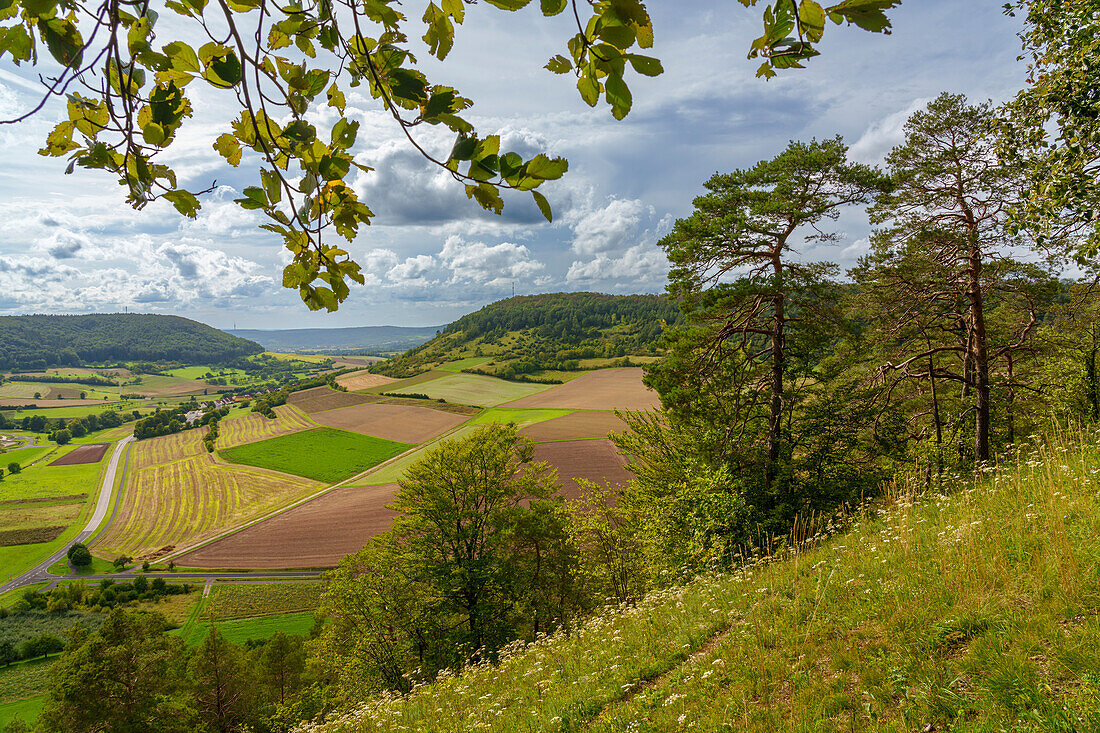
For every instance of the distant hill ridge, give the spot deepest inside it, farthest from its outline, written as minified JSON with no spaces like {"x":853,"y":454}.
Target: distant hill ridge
{"x":554,"y":331}
{"x":41,"y":341}
{"x":356,"y":338}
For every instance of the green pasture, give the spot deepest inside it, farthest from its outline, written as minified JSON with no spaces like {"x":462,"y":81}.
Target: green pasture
{"x":322,"y":454}
{"x":471,"y":389}
{"x":241,"y":630}
{"x":79,"y":410}
{"x":460,"y":364}
{"x":41,"y":480}
{"x":251,"y":600}
{"x":17,"y":559}
{"x":520,"y":417}
{"x":26,"y":710}
{"x":22,"y":456}
{"x":7,"y":599}
{"x":99,"y":566}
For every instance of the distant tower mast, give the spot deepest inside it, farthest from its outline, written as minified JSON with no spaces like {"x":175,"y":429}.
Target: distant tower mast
{"x":513,"y":289}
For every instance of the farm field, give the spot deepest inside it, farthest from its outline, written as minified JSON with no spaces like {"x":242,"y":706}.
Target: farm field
{"x":604,"y":389}
{"x":17,"y":519}
{"x":22,"y":688}
{"x":404,"y":384}
{"x":520,"y":418}
{"x":40,"y":481}
{"x":473,"y":389}
{"x":575,"y":426}
{"x":23,"y":456}
{"x":238,"y":631}
{"x":363,"y":380}
{"x":315,"y":534}
{"x":320,"y":399}
{"x":26,"y":710}
{"x":598,"y":461}
{"x":253,"y":427}
{"x":75,"y":408}
{"x":404,"y":424}
{"x":322,"y":454}
{"x":176,"y":493}
{"x":467,"y":363}
{"x":251,"y":600}
{"x":87,"y":453}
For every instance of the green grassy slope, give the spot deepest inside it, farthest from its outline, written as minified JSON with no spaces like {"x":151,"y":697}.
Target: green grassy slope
{"x":974,"y":609}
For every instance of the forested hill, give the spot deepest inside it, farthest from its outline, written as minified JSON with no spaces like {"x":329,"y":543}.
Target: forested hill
{"x":40,"y":341}
{"x":557,"y":331}
{"x":360,"y":338}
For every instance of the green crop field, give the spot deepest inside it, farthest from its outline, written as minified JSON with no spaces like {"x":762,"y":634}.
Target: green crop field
{"x":393,"y":472}
{"x":405,"y":385}
{"x":322,"y":454}
{"x":27,"y":710}
{"x":79,"y":410}
{"x":241,"y":630}
{"x":245,"y":600}
{"x":472,"y":389}
{"x":17,"y":559}
{"x":521,"y":417}
{"x":22,"y":456}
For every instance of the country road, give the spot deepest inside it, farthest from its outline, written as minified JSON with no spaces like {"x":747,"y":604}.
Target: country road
{"x":40,"y":572}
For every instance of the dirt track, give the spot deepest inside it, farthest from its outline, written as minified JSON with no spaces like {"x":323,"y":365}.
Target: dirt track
{"x":578,"y":426}
{"x":313,"y":535}
{"x":603,"y":389}
{"x":596,"y":460}
{"x":392,"y":422}
{"x":90,"y":453}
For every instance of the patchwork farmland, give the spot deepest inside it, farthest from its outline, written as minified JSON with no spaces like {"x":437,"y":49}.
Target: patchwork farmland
{"x":254,"y":427}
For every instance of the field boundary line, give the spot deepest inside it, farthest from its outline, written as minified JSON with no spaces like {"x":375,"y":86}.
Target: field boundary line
{"x":288,"y":507}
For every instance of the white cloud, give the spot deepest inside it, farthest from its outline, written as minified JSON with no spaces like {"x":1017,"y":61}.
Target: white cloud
{"x":484,"y":264}
{"x":883,"y":135}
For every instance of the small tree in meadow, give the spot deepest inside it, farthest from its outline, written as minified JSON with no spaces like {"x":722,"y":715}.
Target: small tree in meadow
{"x":79,"y":556}
{"x":14,"y":467}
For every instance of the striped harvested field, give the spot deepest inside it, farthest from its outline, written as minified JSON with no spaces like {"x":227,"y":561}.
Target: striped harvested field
{"x":254,"y":427}
{"x":320,"y":399}
{"x":167,"y":448}
{"x":189,"y":499}
{"x":362,"y":380}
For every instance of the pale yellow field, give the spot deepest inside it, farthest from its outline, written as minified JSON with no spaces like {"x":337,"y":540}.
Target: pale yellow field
{"x":254,"y":426}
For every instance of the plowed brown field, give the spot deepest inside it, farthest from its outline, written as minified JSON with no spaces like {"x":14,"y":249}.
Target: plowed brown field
{"x":90,"y":453}
{"x":596,"y":460}
{"x":362,"y":380}
{"x":320,"y":399}
{"x":316,"y":534}
{"x":577,"y":426}
{"x":603,"y":389}
{"x":392,"y":422}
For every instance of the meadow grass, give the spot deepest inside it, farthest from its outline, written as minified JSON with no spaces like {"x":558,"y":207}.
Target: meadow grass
{"x":99,"y":566}
{"x":25,"y":679}
{"x":974,"y":606}
{"x":395,"y":471}
{"x":79,"y":410}
{"x":322,"y":454}
{"x":22,"y":456}
{"x":16,"y":559}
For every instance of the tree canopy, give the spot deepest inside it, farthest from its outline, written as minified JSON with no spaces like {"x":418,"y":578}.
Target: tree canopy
{"x":127,"y":96}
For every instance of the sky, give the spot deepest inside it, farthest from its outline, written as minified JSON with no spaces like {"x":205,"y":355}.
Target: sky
{"x":70,"y":243}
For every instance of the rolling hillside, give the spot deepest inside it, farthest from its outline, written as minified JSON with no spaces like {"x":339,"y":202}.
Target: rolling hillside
{"x":40,"y":341}
{"x":362,"y":338}
{"x":534,"y":333}
{"x":974,"y":609}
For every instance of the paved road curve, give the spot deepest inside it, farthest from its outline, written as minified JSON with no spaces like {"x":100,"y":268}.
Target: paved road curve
{"x":40,"y":572}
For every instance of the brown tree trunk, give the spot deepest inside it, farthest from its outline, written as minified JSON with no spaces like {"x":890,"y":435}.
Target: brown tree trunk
{"x":980,"y":356}
{"x":936,"y":413}
{"x":775,"y":413}
{"x":1010,"y":399}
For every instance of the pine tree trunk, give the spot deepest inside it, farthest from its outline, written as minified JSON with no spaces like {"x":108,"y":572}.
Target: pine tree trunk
{"x":980,"y":356}
{"x":775,"y":415}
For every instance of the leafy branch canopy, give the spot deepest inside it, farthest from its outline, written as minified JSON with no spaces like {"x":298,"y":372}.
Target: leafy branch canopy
{"x":128,"y":96}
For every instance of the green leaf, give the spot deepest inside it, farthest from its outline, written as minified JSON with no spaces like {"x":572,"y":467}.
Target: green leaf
{"x":559,"y":64}
{"x":153,"y":134}
{"x":182,"y":56}
{"x":509,"y":4}
{"x":344,"y":132}
{"x":553,"y":7}
{"x":63,"y":40}
{"x":812,"y":19}
{"x":645,"y":65}
{"x":185,"y":202}
{"x":334,"y":168}
{"x":272,"y":185}
{"x":589,"y":89}
{"x":336,"y":98}
{"x":227,"y":68}
{"x":618,"y":94}
{"x":546,"y":169}
{"x":544,"y":205}
{"x":464,"y":148}
{"x":229,"y":147}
